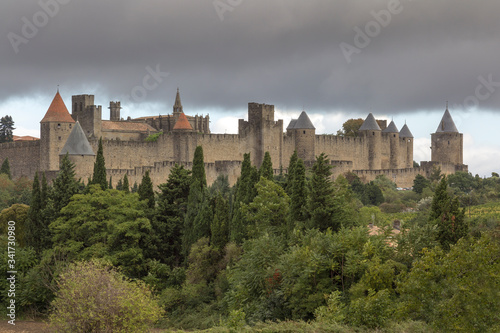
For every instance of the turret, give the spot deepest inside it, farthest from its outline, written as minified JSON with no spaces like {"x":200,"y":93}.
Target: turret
{"x":407,"y":145}
{"x":55,"y":129}
{"x":114,"y":111}
{"x":447,"y":142}
{"x":79,"y":152}
{"x":88,"y":114}
{"x":392,"y":133}
{"x":373,"y":136}
{"x":177,"y":105}
{"x":304,"y":134}
{"x":182,"y":139}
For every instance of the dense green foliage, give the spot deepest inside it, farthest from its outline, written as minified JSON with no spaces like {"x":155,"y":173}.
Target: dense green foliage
{"x":296,"y":252}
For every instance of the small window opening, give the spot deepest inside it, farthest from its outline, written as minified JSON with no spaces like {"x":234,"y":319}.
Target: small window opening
{"x":304,"y":132}
{"x":60,"y":138}
{"x":58,"y":125}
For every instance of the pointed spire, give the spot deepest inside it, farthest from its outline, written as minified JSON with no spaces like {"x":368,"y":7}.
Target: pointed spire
{"x":405,"y":132}
{"x":77,"y":143}
{"x":57,"y":111}
{"x":447,"y":125}
{"x":303,"y":122}
{"x":178,"y":104}
{"x":391,"y":128}
{"x":182,"y":123}
{"x":370,"y":124}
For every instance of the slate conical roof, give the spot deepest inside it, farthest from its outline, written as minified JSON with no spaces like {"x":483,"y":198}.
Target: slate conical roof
{"x":292,"y":124}
{"x":303,"y":122}
{"x":370,"y":124}
{"x":182,"y":123}
{"x":405,"y":132}
{"x":391,"y":128}
{"x":77,"y":143}
{"x":447,"y":124}
{"x":57,"y":111}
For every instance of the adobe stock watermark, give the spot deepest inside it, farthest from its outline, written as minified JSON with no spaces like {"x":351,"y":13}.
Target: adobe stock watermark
{"x":223,"y":6}
{"x":372,"y":29}
{"x":483,"y":91}
{"x":31,"y":27}
{"x":152,"y":80}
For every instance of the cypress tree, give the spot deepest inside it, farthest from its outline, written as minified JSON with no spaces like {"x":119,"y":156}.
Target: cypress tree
{"x":110,"y":186}
{"x":168,"y":223}
{"x":291,"y":171}
{"x":199,"y":168}
{"x":135,"y":187}
{"x":447,"y":215}
{"x":126,"y":186}
{"x":146,"y":190}
{"x":219,"y":228}
{"x":99,"y":176}
{"x":298,"y":206}
{"x":65,"y":184}
{"x":321,"y":194}
{"x":37,"y":232}
{"x":266,"y":169}
{"x":5,"y":169}
{"x":119,"y":185}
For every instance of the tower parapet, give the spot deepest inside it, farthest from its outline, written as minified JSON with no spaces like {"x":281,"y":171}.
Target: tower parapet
{"x":114,"y":111}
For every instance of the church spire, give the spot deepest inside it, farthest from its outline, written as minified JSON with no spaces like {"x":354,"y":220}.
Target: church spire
{"x":178,"y":104}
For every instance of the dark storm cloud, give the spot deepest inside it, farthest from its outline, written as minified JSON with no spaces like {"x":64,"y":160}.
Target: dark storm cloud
{"x":282,"y":52}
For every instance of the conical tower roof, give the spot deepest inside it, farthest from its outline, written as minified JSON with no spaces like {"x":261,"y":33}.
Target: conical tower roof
{"x":370,"y":124}
{"x":57,"y":111}
{"x":447,"y":125}
{"x":178,"y":104}
{"x":182,"y":123}
{"x":405,"y":132}
{"x":291,"y":125}
{"x":391,"y":128}
{"x":77,"y":143}
{"x":303,"y":122}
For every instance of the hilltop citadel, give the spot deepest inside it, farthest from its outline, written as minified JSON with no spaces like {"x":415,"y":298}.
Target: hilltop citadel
{"x":379,"y":149}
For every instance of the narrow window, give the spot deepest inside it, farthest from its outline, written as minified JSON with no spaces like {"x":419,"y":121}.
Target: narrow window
{"x":58,"y":125}
{"x":304,"y":132}
{"x":60,"y":138}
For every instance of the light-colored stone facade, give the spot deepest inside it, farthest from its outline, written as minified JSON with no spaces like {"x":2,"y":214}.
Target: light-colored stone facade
{"x":374,"y":152}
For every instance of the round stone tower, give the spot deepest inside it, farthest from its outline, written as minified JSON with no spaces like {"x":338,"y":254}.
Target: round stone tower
{"x":407,"y":146}
{"x":392,"y":133}
{"x":55,"y":129}
{"x":305,"y":136}
{"x":372,"y":134}
{"x":447,"y":142}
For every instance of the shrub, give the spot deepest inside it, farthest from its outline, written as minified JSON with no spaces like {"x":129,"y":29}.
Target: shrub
{"x":93,"y":297}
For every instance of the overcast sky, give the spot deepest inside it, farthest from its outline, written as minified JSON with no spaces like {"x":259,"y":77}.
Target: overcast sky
{"x":335,"y":59}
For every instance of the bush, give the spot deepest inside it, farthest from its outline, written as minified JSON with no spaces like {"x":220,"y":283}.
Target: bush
{"x":95,"y":298}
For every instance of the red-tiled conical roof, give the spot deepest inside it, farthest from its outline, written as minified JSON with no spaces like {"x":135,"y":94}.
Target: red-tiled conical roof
{"x":57,"y":111}
{"x":183,"y":123}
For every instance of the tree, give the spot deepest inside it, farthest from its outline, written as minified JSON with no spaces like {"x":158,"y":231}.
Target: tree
{"x":266,"y":169}
{"x":321,"y":194}
{"x":436,"y":174}
{"x":146,"y":190}
{"x":447,"y":215}
{"x":268,"y":212}
{"x":6,"y":129}
{"x":5,"y":169}
{"x":199,"y":167}
{"x":245,"y":193}
{"x":219,"y":228}
{"x":37,"y":233}
{"x":168,"y":223}
{"x":65,"y":184}
{"x":419,"y":183}
{"x":291,"y":172}
{"x":99,"y":176}
{"x":298,"y":206}
{"x":351,"y":127}
{"x":93,"y":297}
{"x":106,"y":224}
{"x":126,"y":186}
{"x":372,"y":195}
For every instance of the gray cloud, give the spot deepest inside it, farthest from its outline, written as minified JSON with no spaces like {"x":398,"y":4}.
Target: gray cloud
{"x":281,"y":52}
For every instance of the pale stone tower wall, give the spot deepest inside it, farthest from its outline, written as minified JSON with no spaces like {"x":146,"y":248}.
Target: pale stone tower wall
{"x":447,"y":147}
{"x":88,"y":114}
{"x":114,"y":111}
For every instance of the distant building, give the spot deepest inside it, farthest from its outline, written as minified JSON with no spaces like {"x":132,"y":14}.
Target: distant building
{"x":378,"y":150}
